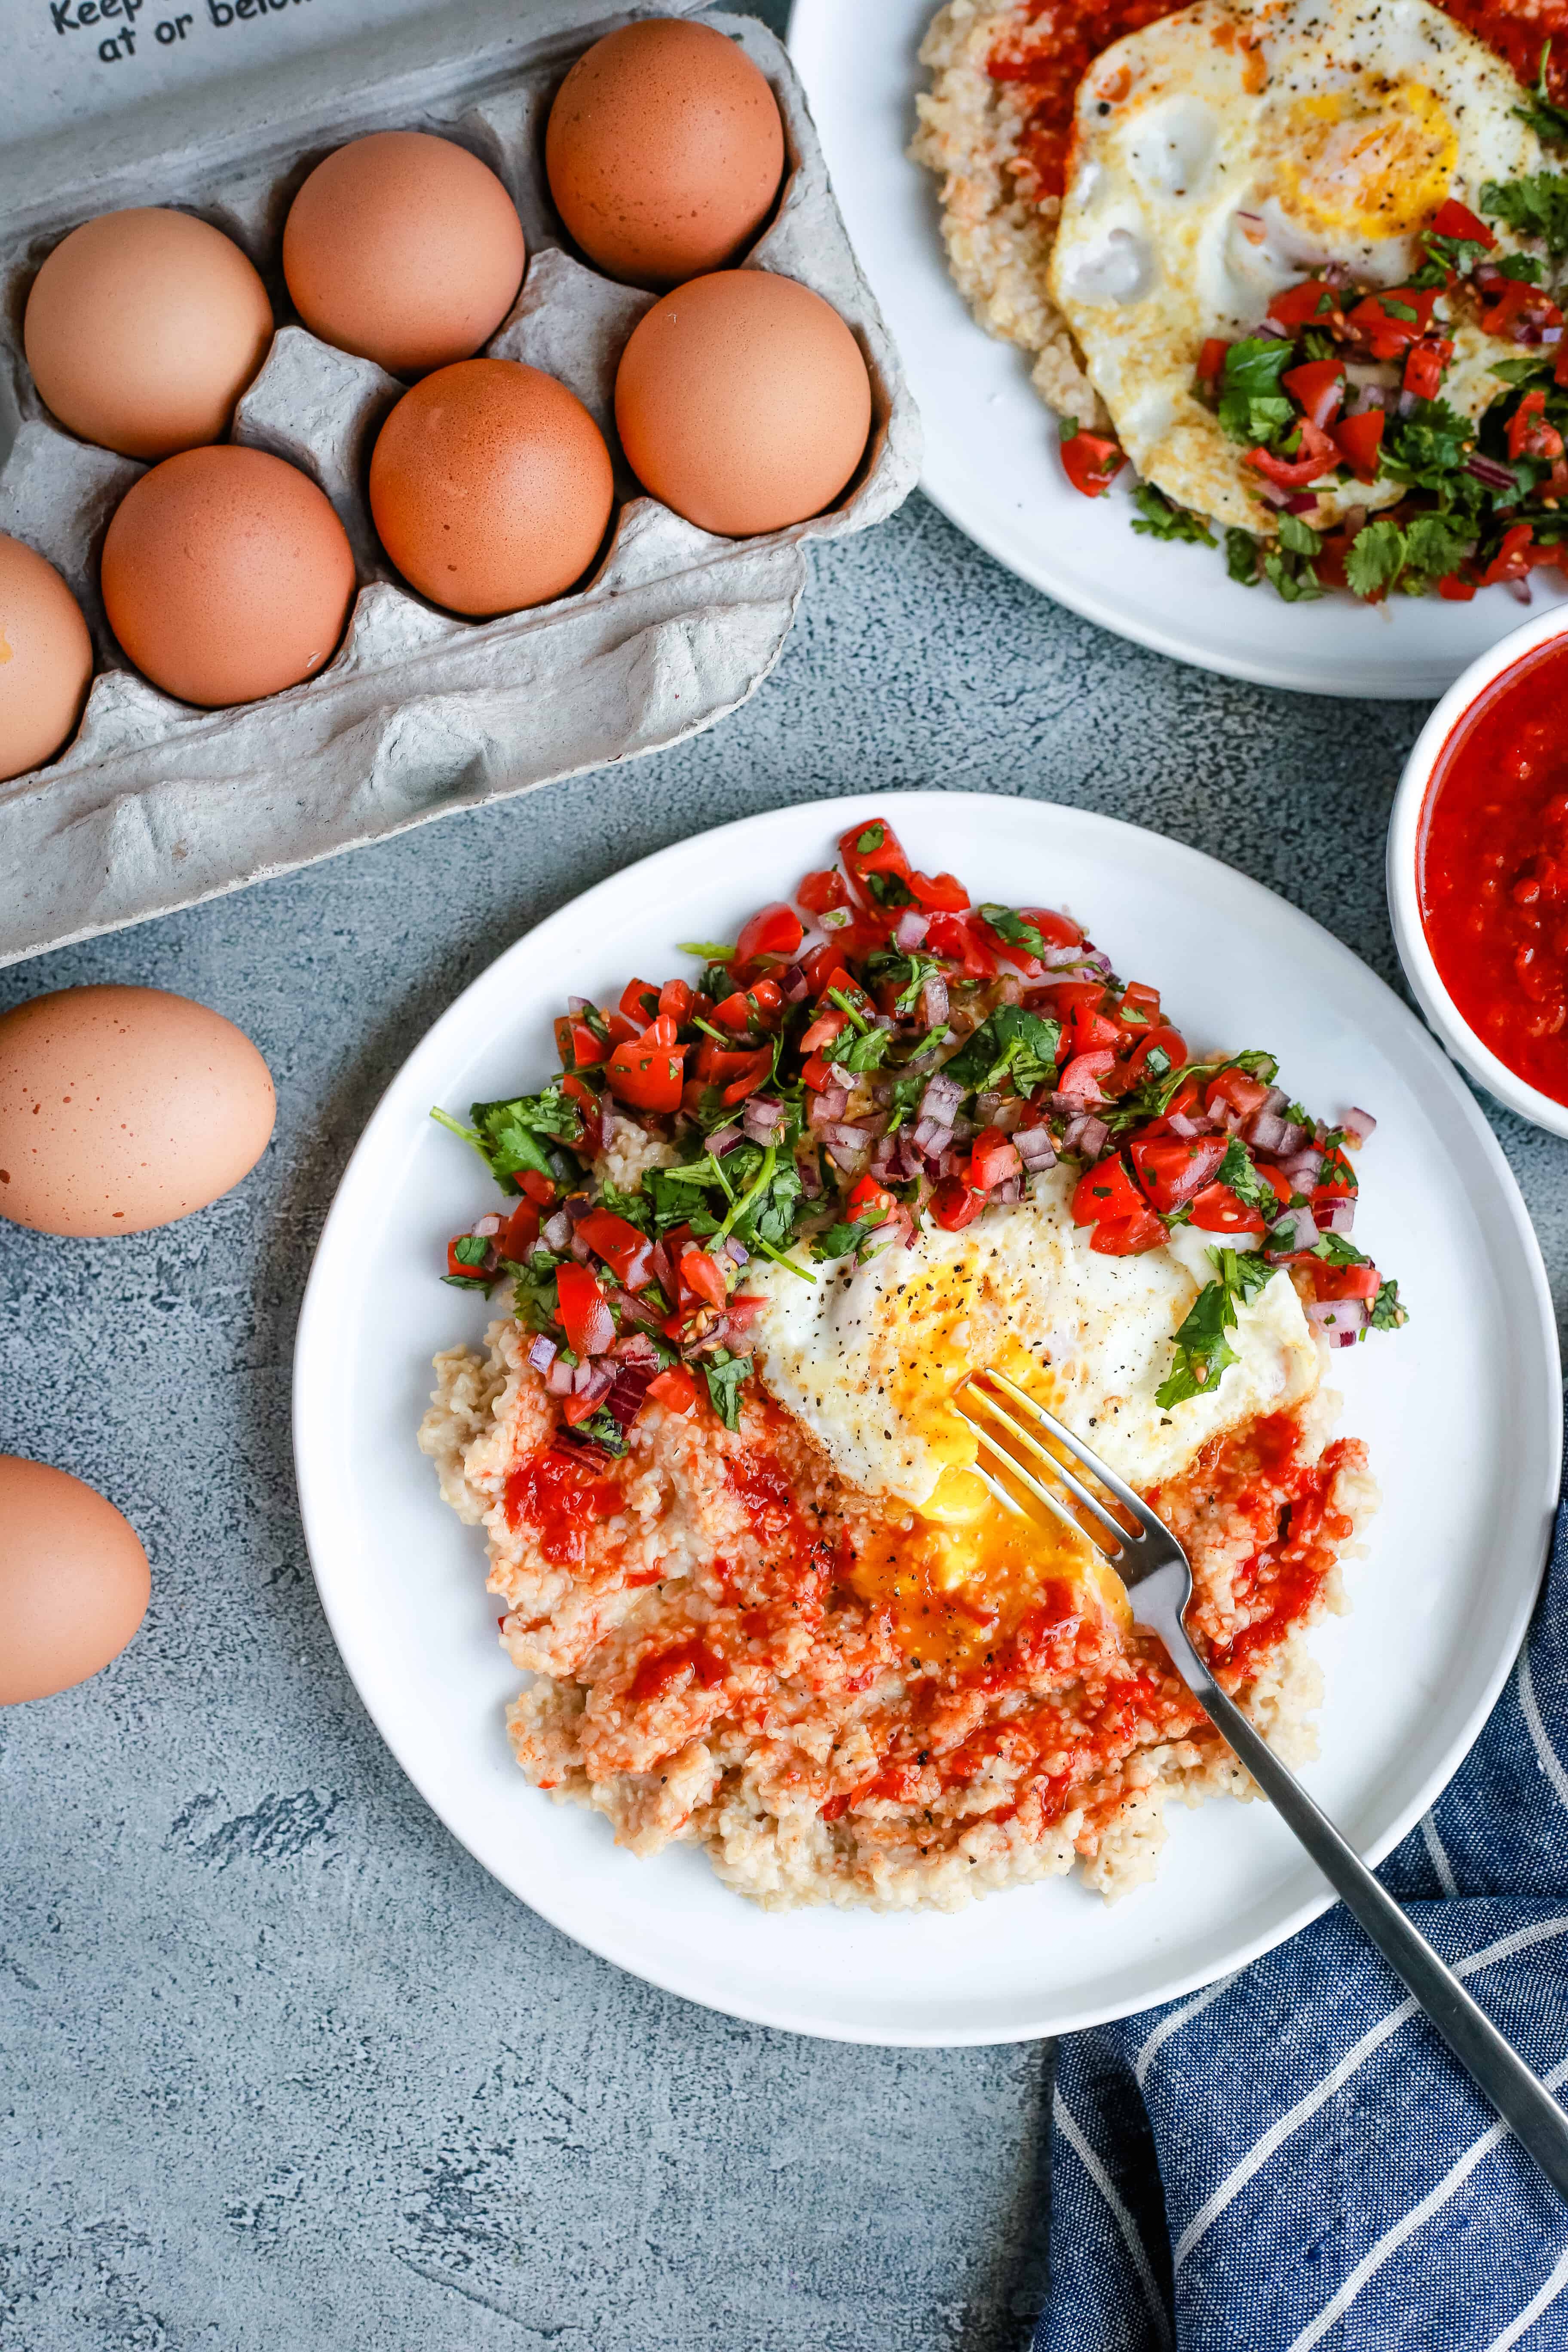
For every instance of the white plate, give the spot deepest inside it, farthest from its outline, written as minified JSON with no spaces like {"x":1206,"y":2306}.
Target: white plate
{"x":1461,"y":1411}
{"x":990,"y":459}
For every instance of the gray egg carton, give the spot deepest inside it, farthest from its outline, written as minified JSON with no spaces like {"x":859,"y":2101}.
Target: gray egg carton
{"x":154,"y":804}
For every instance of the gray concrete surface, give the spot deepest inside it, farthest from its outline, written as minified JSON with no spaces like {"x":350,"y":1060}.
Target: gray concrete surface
{"x":280,"y":2068}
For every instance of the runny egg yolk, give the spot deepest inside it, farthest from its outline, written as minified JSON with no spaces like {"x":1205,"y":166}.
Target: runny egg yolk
{"x":1348,"y":168}
{"x":960,"y":1571}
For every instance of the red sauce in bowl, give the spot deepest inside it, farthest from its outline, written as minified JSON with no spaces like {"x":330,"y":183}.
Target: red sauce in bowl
{"x":1492,"y":868}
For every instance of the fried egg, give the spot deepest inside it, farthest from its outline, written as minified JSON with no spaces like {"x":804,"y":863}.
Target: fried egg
{"x":871,"y":1358}
{"x":1237,"y":147}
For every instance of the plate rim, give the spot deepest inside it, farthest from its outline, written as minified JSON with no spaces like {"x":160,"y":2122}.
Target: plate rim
{"x":314,"y":1338}
{"x":1421,"y":681}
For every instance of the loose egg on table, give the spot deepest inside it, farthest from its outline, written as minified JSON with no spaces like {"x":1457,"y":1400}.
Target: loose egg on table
{"x":664,"y":151}
{"x":1230,"y":150}
{"x":227,"y":575}
{"x":143,"y":328}
{"x":491,"y":487}
{"x":46,"y":659}
{"x":743,"y":401}
{"x":403,"y":248}
{"x":74,"y":1582}
{"x":123,"y":1109}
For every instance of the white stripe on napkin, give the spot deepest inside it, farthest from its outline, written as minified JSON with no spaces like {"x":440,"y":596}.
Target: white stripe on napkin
{"x":1440,"y":1860}
{"x":1259,"y":2155}
{"x":1067,"y":2124}
{"x":1533,"y":2310}
{"x":1175,"y":2023}
{"x":1550,"y":1763}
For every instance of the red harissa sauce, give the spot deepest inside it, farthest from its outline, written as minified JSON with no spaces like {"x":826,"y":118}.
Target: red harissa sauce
{"x":1492,"y":869}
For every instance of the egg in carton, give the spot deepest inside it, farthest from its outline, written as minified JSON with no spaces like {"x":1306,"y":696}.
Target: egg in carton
{"x":155,"y":805}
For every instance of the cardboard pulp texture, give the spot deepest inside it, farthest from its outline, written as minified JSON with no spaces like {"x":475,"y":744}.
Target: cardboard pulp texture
{"x":154,"y":804}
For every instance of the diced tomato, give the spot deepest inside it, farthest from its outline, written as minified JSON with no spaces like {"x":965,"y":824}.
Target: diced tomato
{"x":578,"y":1047}
{"x":1217,"y":1210}
{"x":869,"y":1203}
{"x":1511,"y":560}
{"x":585,"y":1314}
{"x":649,"y":1078}
{"x":954,"y":938}
{"x":748,"y":1074}
{"x":733,"y":1011}
{"x":621,"y":1030}
{"x":455,"y":1269}
{"x":1056,"y":930}
{"x":1318,"y":455}
{"x":1088,"y":1028}
{"x":1107,"y":1191}
{"x":1312,"y":303}
{"x":1377,"y":318}
{"x":955,"y":1204}
{"x":1211,"y":359}
{"x":624,"y":1249}
{"x":676,"y":998}
{"x":1278,"y":1182}
{"x":993,"y":1160}
{"x":825,"y":1028}
{"x":674,"y":1389}
{"x":589,"y":1111}
{"x":772,"y":930}
{"x":1061,"y":996}
{"x":1140,"y":1005}
{"x":1171,"y":1169}
{"x":883,"y":854}
{"x":1519,"y":301}
{"x":640,"y":1003}
{"x":1235,"y":1090}
{"x":1559,"y":365}
{"x":1455,"y":589}
{"x":1091,"y":462}
{"x":519,"y":1233}
{"x":1425,"y":366}
{"x":1344,"y":1281}
{"x":1317,"y":387}
{"x":1081,"y":1081}
{"x":703,"y":1274}
{"x":767,"y":997}
{"x":842,"y":982}
{"x":939,"y":894}
{"x":1359,"y":440}
{"x":1455,"y":219}
{"x":821,"y":890}
{"x":819,"y":1075}
{"x":541,"y":1190}
{"x":661,"y":1030}
{"x":1169,"y":1043}
{"x":1128,"y":1236}
{"x":1529,"y":434}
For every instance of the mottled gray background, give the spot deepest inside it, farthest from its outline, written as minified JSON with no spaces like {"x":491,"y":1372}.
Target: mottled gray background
{"x":280,"y":2068}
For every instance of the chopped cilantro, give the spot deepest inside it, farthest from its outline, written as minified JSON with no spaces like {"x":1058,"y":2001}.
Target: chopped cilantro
{"x":1203,"y":1351}
{"x":507,"y":1135}
{"x":1241,"y":556}
{"x":469,"y":1250}
{"x":724,"y":1374}
{"x":602,"y":1429}
{"x":1387,"y":1314}
{"x":1011,"y":1043}
{"x":1291,"y":578}
{"x":1544,"y":116}
{"x":1159,"y":518}
{"x":1376,"y":558}
{"x":1013,"y":926}
{"x":1536,"y":207}
{"x":1253,"y":406}
{"x":1299,"y":536}
{"x":1239,"y":1170}
{"x":708,"y":950}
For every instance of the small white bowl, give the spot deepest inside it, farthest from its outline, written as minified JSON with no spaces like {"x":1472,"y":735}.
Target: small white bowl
{"x":1403,"y":894}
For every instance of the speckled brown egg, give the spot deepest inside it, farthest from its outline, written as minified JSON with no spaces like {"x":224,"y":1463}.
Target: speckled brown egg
{"x":46,"y":659}
{"x":227,"y":575}
{"x":121,"y":1108}
{"x":143,"y":328}
{"x":491,"y":487}
{"x":743,"y":403}
{"x":664,"y":151}
{"x":405,"y":248}
{"x":74,"y":1583}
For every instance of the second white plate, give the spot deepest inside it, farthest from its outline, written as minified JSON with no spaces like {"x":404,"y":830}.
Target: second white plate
{"x":1461,"y":1412}
{"x":990,"y":460}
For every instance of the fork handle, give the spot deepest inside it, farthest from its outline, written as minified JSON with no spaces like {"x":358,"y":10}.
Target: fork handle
{"x":1521,"y":2100}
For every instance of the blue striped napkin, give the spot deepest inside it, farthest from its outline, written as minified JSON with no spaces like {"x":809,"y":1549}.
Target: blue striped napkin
{"x":1290,"y":2157}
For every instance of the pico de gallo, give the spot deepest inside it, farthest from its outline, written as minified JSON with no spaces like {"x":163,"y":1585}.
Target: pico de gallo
{"x":1344,"y":383}
{"x":879,"y":1052}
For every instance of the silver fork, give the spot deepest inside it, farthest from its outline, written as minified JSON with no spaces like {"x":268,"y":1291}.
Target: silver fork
{"x":1159,"y":1581}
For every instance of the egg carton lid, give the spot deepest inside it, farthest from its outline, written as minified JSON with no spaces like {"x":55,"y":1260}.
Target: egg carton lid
{"x":155,"y":805}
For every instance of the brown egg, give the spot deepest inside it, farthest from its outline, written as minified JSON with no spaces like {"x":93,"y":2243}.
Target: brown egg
{"x":405,"y":248}
{"x":665,"y":151}
{"x":743,"y":403}
{"x":74,"y":1584}
{"x":121,"y":1108}
{"x":227,"y":575}
{"x":143,"y":328}
{"x":46,"y":659}
{"x":491,"y":487}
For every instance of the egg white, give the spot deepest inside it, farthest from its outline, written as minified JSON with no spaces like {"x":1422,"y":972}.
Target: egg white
{"x":1229,"y":151}
{"x":868,"y":1356}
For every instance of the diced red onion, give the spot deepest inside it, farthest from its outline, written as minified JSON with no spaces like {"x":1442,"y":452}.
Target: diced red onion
{"x":841,"y":1137}
{"x":578,"y":1005}
{"x":793,"y":986}
{"x":1267,"y":1132}
{"x":712,"y":1339}
{"x":1271,"y":328}
{"x":1302,"y":1173}
{"x":1343,"y":1320}
{"x":635,"y":1347}
{"x":763,"y":1110}
{"x":1296,"y":1230}
{"x":579,"y":1248}
{"x":558,"y":1379}
{"x":556,"y":1233}
{"x":1058,"y":959}
{"x":1359,"y":1126}
{"x":941,"y":1098}
{"x":737,"y":1250}
{"x":934,"y":1001}
{"x":830,"y":1104}
{"x":930,"y":1135}
{"x":1338,"y":1215}
{"x":629,"y":1390}
{"x":1181,"y":1125}
{"x":1301,"y":501}
{"x":725,"y":1139}
{"x":1520,"y":590}
{"x":1035,"y":1147}
{"x":1370,"y":396}
{"x":884,"y":1156}
{"x":1008,"y":1192}
{"x":810,"y":1177}
{"x":1490,"y":470}
{"x":542,"y":1353}
{"x":1087,"y":1134}
{"x":835,"y":918}
{"x":910,"y":929}
{"x":1405,"y":404}
{"x":484,"y":1228}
